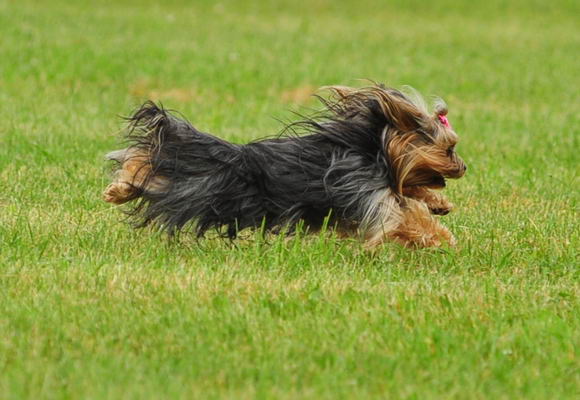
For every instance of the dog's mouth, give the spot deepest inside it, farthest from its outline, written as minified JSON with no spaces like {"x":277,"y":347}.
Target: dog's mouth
{"x":430,"y":179}
{"x":436,"y":182}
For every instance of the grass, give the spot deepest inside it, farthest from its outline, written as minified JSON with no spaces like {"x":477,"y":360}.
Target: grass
{"x":90,"y":308}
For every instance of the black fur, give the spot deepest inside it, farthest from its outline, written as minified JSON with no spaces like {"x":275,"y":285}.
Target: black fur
{"x":327,"y":166}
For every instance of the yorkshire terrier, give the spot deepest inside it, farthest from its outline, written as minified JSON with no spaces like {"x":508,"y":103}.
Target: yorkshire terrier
{"x":366,"y":166}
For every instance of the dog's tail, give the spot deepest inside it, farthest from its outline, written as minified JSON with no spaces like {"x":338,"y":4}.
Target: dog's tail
{"x":168,"y":166}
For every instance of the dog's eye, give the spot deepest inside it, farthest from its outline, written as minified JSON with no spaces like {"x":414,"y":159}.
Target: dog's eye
{"x":450,"y":150}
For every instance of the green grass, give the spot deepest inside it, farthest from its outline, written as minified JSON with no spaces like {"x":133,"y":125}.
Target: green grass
{"x":90,"y":308}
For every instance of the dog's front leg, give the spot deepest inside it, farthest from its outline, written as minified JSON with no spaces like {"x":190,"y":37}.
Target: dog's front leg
{"x":418,"y":228}
{"x":436,"y":201}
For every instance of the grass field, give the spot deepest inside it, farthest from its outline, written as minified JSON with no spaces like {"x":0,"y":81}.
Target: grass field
{"x":90,"y":308}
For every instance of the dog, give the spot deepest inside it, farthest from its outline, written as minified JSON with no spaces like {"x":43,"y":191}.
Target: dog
{"x":367,"y":165}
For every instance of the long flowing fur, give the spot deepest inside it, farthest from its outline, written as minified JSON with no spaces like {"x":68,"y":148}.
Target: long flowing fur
{"x":349,"y":163}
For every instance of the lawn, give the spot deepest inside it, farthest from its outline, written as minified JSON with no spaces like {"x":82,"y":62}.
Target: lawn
{"x":91,"y":308}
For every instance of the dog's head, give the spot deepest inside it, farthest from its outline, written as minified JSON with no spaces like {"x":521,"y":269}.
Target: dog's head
{"x":418,"y":146}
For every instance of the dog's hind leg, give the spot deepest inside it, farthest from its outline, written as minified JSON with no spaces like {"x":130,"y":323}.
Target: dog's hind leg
{"x":133,"y":177}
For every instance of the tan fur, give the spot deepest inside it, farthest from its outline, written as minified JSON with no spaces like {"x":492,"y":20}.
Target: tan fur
{"x":133,"y":177}
{"x":412,"y":226}
{"x":418,"y":228}
{"x":436,"y":201}
{"x":417,"y":162}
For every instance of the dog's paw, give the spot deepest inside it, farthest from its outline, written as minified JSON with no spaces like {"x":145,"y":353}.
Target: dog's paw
{"x":439,"y":240}
{"x":451,"y":241}
{"x":119,"y":193}
{"x":439,"y":211}
{"x":441,"y":207}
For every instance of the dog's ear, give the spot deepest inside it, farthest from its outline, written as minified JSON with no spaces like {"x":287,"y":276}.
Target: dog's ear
{"x":399,"y":110}
{"x":390,"y":104}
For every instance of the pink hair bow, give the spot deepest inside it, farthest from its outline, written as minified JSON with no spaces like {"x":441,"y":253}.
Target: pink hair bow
{"x":444,"y":121}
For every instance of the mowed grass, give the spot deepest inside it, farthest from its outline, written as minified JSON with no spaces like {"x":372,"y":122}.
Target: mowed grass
{"x":90,"y":308}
